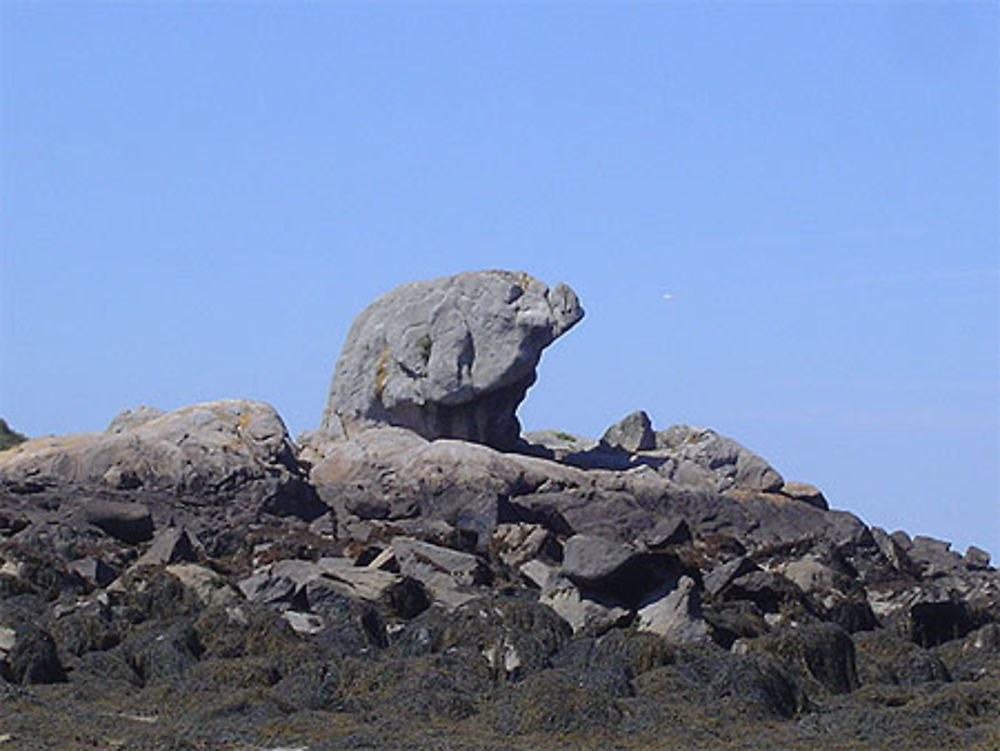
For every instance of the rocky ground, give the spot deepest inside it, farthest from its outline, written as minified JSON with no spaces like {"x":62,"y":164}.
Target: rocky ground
{"x":416,"y":575}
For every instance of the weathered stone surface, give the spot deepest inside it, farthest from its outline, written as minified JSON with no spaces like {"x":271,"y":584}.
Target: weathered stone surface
{"x":700,"y":456}
{"x":422,"y":560}
{"x":588,"y":614}
{"x":362,"y":476}
{"x":170,"y":545}
{"x":542,"y":575}
{"x":632,"y":433}
{"x":810,"y":574}
{"x":976,"y":559}
{"x":890,"y":548}
{"x":933,"y":557}
{"x":129,"y":419}
{"x":214,"y":450}
{"x":721,"y":577}
{"x":208,"y":587}
{"x":674,"y":612}
{"x":128,"y":522}
{"x":93,"y":570}
{"x":667,"y":531}
{"x":515,"y":544}
{"x":448,"y":358}
{"x":803,"y":491}
{"x":304,"y":623}
{"x":591,"y":561}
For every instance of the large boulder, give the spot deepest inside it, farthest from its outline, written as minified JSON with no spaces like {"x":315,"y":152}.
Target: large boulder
{"x":448,"y":358}
{"x":213,"y":451}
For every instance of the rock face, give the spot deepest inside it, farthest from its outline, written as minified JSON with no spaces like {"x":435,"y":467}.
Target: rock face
{"x":632,"y":433}
{"x":450,"y":357}
{"x":212,"y":450}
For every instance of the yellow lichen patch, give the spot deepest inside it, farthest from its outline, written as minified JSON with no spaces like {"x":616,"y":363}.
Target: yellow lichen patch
{"x":381,"y":372}
{"x":525,"y":280}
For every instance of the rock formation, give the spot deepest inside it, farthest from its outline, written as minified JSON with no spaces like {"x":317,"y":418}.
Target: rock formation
{"x":448,"y":358}
{"x":416,"y":574}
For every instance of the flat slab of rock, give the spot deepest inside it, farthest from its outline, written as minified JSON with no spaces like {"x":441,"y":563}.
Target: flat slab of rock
{"x":448,"y":358}
{"x":450,"y":576}
{"x":591,"y":561}
{"x":803,"y":491}
{"x":357,"y":582}
{"x":417,"y":558}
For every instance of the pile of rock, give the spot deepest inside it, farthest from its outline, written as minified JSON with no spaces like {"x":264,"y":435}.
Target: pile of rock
{"x":417,"y":533}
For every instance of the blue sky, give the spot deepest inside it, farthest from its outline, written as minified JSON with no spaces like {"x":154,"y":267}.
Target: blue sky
{"x":198,"y":198}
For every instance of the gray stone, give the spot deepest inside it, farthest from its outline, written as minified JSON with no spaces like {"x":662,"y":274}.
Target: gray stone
{"x":450,"y":576}
{"x":803,"y":491}
{"x":304,"y":623}
{"x":128,"y":522}
{"x":674,"y":613}
{"x":515,"y":544}
{"x":671,"y":530}
{"x":448,"y":358}
{"x":128,"y":419}
{"x":810,"y":574}
{"x":93,"y":570}
{"x":700,"y":456}
{"x":890,"y":548}
{"x":902,"y":539}
{"x":170,"y":545}
{"x":208,"y":587}
{"x":976,"y":559}
{"x":357,"y":582}
{"x":586,"y":613}
{"x":721,"y":577}
{"x":934,"y":557}
{"x":225,"y":449}
{"x":632,"y":433}
{"x":420,"y":559}
{"x":542,"y":575}
{"x":282,"y":582}
{"x":591,"y":561}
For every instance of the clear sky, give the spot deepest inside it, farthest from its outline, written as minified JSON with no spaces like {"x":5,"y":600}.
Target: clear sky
{"x":197,"y":199}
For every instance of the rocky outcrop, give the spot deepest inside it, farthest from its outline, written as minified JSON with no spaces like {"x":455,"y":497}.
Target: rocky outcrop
{"x":379,"y":587}
{"x":207,"y":453}
{"x":448,"y":358}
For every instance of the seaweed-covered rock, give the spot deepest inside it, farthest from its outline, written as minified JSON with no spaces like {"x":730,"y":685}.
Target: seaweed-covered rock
{"x":823,"y":651}
{"x":29,"y":655}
